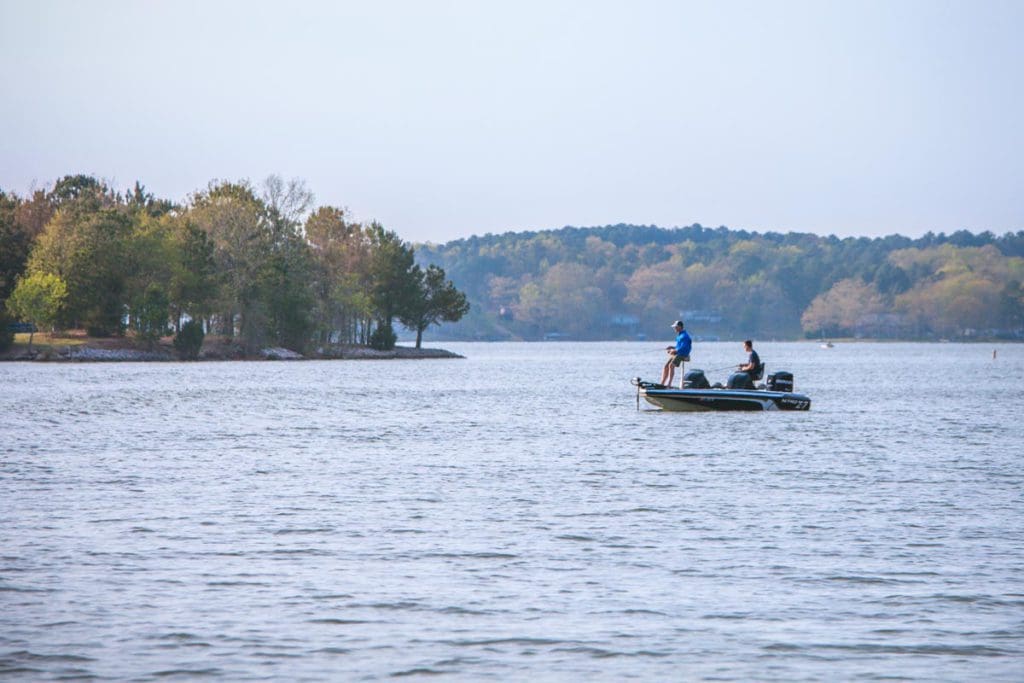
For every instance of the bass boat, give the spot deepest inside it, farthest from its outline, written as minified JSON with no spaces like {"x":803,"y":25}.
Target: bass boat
{"x":738,"y":394}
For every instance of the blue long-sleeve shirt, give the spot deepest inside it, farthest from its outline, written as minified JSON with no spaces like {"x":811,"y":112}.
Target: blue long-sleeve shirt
{"x":683,"y":344}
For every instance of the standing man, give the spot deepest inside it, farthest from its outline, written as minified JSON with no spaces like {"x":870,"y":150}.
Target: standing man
{"x":678,"y":355}
{"x":753,"y":365}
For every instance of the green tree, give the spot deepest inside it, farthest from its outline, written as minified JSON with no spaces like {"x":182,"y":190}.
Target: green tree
{"x":89,"y":250}
{"x":138,"y":200}
{"x":289,"y":271}
{"x":242,"y":236}
{"x":289,"y":290}
{"x":194,"y":283}
{"x":15,"y":244}
{"x":38,"y":299}
{"x":392,"y":281}
{"x":383,"y":338}
{"x":1012,"y":306}
{"x":151,"y":254}
{"x":6,"y":333}
{"x":189,"y":340}
{"x":265,"y":265}
{"x":82,"y":194}
{"x":434,"y":300}
{"x":150,"y":313}
{"x":80,"y":186}
{"x":34,"y":212}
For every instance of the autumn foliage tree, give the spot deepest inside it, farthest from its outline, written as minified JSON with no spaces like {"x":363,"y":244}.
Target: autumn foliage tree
{"x":341,"y":255}
{"x":840,"y":310}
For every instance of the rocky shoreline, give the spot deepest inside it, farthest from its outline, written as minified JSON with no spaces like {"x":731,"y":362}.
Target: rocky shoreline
{"x":83,"y":353}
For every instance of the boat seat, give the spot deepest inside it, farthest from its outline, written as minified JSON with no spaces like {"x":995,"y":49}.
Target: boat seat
{"x":758,"y":372}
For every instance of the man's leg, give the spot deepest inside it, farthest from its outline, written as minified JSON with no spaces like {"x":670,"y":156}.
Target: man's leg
{"x":665,"y":373}
{"x":671,"y":370}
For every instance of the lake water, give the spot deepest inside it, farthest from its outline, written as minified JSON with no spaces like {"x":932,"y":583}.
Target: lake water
{"x":513,"y":516}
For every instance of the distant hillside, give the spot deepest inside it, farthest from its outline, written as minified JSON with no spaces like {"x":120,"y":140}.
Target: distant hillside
{"x":626,"y":281}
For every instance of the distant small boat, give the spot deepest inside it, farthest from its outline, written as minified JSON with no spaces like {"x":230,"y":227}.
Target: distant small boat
{"x":827,"y":345}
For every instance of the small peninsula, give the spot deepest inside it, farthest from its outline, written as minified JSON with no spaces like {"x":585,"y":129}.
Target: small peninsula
{"x":77,"y":347}
{"x":257,"y":266}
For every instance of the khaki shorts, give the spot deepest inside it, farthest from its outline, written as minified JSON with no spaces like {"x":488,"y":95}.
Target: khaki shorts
{"x":677,"y":360}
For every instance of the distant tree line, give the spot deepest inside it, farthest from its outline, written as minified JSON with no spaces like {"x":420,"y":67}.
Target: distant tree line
{"x":623,"y":281}
{"x":257,"y":264}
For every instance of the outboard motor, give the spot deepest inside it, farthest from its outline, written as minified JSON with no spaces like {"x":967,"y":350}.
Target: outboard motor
{"x":780,"y":381}
{"x":739,"y":380}
{"x":695,"y":379}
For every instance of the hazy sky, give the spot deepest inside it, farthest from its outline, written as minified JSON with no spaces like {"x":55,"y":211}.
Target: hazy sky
{"x":447,"y":119}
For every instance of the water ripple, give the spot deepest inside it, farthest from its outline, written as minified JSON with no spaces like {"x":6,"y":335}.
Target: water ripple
{"x":478,"y":520}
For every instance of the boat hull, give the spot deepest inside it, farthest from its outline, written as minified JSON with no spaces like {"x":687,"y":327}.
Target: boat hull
{"x":705,"y":400}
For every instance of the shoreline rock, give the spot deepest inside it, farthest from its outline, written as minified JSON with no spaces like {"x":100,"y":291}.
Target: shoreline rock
{"x":399,"y":352}
{"x":84,"y":354}
{"x":280,"y":353}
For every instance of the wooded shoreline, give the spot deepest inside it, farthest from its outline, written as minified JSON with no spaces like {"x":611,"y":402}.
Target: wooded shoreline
{"x":258,"y":264}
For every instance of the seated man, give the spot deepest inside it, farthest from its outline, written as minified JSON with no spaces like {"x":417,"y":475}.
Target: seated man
{"x":753,"y":366}
{"x":678,"y":355}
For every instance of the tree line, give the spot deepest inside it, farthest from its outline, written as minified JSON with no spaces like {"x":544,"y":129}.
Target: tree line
{"x":261,"y":265}
{"x":258,"y":264}
{"x":628,"y":281}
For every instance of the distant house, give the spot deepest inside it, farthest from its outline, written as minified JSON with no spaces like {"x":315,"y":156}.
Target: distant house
{"x":622,"y":320}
